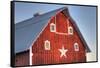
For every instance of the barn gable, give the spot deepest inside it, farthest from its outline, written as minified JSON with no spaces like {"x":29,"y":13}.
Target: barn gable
{"x":28,"y":31}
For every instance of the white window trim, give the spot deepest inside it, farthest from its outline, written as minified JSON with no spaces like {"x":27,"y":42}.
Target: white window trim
{"x":76,"y":49}
{"x":46,"y":45}
{"x":69,"y":30}
{"x":52,"y":24}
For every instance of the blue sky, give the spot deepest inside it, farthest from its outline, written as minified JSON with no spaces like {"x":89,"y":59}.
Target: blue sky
{"x":84,"y":16}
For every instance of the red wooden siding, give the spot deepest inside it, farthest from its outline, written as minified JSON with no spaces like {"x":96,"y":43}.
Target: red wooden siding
{"x":52,"y":56}
{"x":22,"y":59}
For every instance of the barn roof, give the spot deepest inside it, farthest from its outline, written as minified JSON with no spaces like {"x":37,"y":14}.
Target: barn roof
{"x":27,"y":31}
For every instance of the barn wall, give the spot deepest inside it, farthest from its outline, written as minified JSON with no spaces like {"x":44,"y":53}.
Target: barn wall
{"x":22,"y":59}
{"x":42,"y":56}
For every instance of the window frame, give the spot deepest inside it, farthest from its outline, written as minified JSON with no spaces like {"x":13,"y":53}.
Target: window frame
{"x":69,"y":30}
{"x":47,"y":47}
{"x":54,"y":26}
{"x":76,"y":47}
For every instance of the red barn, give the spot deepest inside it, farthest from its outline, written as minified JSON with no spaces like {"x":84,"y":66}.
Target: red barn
{"x":49,"y":38}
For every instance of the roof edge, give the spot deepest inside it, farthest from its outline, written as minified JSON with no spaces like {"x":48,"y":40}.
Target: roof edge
{"x":77,"y":29}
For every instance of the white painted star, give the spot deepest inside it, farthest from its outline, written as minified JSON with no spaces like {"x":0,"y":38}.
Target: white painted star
{"x":63,"y":51}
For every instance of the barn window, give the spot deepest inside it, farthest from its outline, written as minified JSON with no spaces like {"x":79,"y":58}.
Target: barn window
{"x":52,"y":27}
{"x":76,"y":47}
{"x":47,"y":45}
{"x":70,"y":30}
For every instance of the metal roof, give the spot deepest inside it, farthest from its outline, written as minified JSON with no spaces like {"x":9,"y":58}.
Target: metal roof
{"x":26,"y":32}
